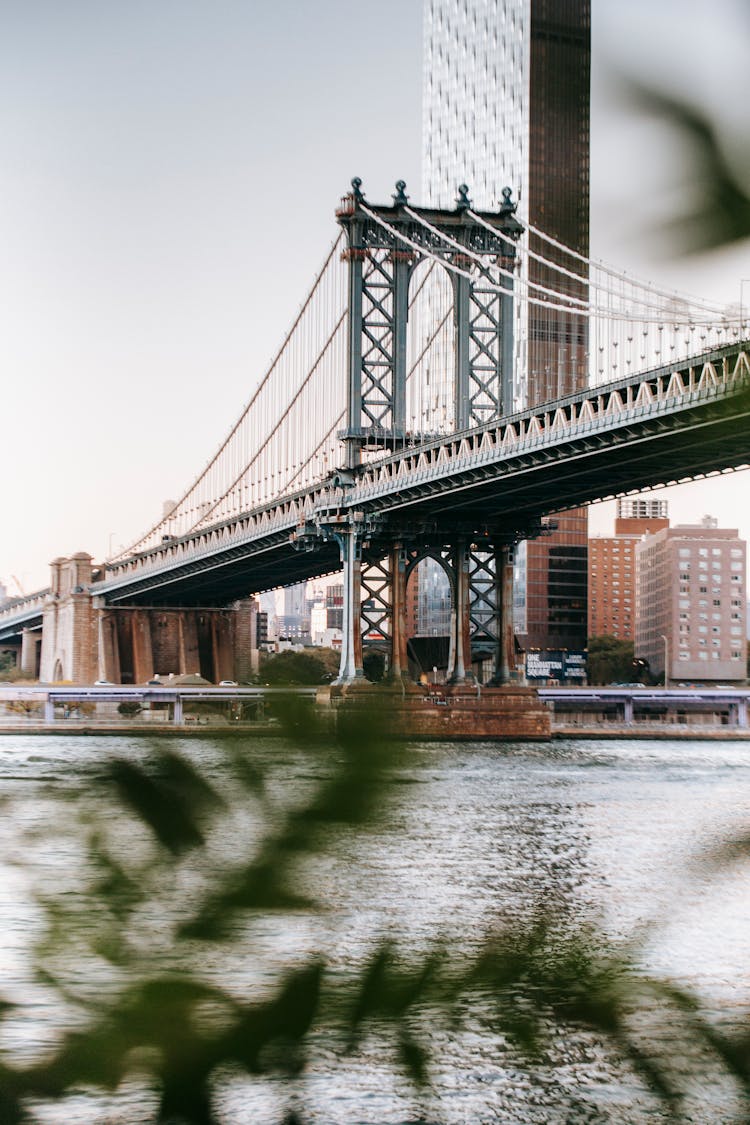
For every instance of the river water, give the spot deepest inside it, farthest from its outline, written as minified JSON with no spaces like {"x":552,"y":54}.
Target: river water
{"x":475,"y":835}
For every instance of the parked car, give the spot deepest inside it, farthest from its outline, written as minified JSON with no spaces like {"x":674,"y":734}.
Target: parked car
{"x":228,"y":683}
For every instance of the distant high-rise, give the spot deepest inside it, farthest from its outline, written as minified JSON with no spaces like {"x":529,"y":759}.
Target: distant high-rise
{"x":506,"y":102}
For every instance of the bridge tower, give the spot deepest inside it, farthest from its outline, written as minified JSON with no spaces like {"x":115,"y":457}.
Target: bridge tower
{"x":385,"y":244}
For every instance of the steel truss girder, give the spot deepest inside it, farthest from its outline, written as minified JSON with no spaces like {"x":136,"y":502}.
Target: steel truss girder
{"x":581,"y":472}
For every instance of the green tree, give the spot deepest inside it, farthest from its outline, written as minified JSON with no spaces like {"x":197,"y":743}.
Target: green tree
{"x":294,"y":668}
{"x":373,"y":666}
{"x":129,"y":708}
{"x":611,"y":660}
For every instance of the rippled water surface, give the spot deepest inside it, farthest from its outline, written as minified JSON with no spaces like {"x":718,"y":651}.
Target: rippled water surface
{"x":475,"y":835}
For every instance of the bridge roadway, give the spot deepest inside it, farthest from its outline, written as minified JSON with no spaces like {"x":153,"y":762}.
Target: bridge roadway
{"x":670,"y":424}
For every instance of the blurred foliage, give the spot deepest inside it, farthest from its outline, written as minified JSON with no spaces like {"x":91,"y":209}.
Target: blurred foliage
{"x":715,"y":172}
{"x":133,"y":951}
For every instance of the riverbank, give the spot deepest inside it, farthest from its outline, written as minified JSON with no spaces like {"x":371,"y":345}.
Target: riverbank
{"x":606,"y":731}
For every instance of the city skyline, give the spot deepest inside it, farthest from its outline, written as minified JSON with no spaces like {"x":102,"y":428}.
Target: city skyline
{"x":144,"y":285}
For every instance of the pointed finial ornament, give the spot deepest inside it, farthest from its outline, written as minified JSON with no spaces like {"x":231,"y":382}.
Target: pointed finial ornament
{"x":400,"y":199}
{"x":463,"y":203}
{"x":356,"y":185}
{"x":507,"y":206}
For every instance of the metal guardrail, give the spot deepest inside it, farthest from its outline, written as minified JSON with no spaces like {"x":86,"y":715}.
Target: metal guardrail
{"x":176,"y":697}
{"x":731,"y":703}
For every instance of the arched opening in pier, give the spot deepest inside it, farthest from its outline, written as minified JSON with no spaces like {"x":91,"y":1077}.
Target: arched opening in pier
{"x":429,"y":605}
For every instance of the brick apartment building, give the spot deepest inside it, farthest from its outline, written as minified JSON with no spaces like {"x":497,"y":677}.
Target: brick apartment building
{"x":691,"y":595}
{"x":611,"y":593}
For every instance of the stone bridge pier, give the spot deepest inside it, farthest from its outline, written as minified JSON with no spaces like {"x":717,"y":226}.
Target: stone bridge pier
{"x":84,"y":639}
{"x":377,"y":564}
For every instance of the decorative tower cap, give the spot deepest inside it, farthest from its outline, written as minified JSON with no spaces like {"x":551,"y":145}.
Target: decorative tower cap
{"x":507,"y":204}
{"x":356,"y":185}
{"x":400,"y":199}
{"x":463,"y":202}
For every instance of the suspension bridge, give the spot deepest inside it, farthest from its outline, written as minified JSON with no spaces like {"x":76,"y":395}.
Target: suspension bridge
{"x":452,"y":380}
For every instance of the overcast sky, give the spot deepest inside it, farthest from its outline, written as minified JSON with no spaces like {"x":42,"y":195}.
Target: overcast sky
{"x":170,"y":169}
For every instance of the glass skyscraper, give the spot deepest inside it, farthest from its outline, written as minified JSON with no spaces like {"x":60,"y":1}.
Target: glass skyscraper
{"x":506,"y":102}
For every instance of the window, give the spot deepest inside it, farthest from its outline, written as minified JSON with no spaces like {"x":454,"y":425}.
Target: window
{"x":717,"y":601}
{"x":703,"y":628}
{"x":703,"y":552}
{"x":735,"y":654}
{"x":702,"y":566}
{"x":684,"y":577}
{"x":703,"y":656}
{"x":736,"y":566}
{"x":684,"y":656}
{"x":715,"y":655}
{"x":736,"y":552}
{"x":684,"y":552}
{"x":703,"y":589}
{"x":716,"y":550}
{"x":716,"y":565}
{"x":735,"y":630}
{"x":684,"y":603}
